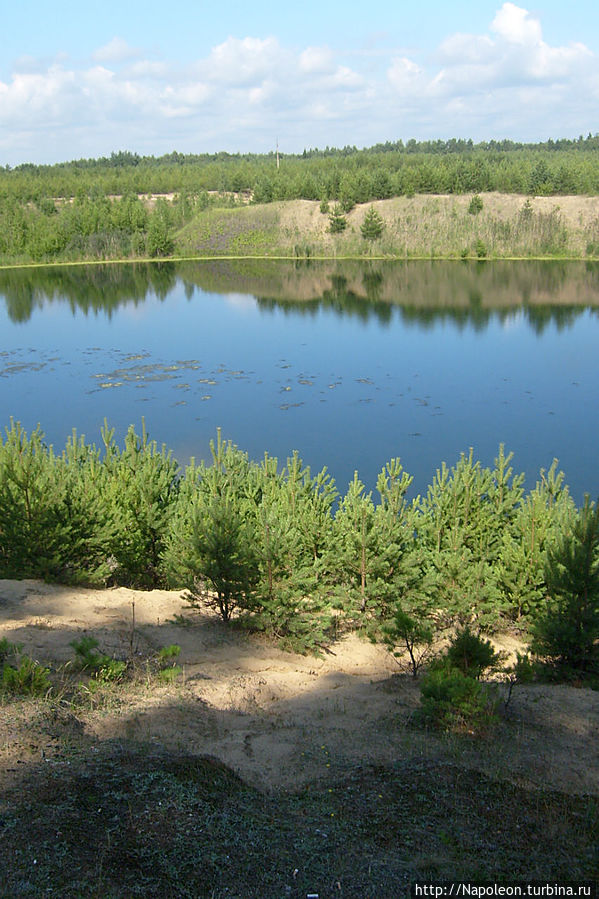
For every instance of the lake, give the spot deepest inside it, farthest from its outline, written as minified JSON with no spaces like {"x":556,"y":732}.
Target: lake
{"x":349,"y":363}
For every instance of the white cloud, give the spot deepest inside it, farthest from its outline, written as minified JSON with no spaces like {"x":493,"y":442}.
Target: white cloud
{"x":117,"y":50}
{"x":345,"y":78}
{"x":404,"y":75}
{"x":36,"y":100}
{"x":507,"y":82}
{"x":516,"y":55}
{"x":466,"y":48}
{"x":316,"y":60}
{"x":244,"y":61}
{"x":516,"y":25}
{"x":146,"y":69}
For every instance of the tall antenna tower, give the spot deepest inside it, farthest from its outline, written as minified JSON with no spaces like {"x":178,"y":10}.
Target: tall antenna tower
{"x":278,"y":160}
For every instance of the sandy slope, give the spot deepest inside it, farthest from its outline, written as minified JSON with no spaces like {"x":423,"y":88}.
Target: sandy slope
{"x":278,"y":719}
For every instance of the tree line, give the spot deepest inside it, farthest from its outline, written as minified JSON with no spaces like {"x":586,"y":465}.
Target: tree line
{"x":282,"y":549}
{"x":389,"y":169}
{"x":358,"y":177}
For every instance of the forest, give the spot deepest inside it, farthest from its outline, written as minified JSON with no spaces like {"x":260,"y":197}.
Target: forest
{"x":283,"y":551}
{"x":101,"y":209}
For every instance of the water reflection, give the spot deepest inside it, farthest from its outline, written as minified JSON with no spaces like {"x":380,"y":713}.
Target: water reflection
{"x":421,"y":293}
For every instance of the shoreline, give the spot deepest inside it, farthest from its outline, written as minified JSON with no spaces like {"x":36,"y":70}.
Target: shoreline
{"x":146,"y":260}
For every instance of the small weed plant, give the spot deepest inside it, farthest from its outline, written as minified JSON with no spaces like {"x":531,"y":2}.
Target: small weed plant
{"x":168,"y":670}
{"x":20,"y":675}
{"x":404,"y":634}
{"x":8,"y":649}
{"x":103,"y":667}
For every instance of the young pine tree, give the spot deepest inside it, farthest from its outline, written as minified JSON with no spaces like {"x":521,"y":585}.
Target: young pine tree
{"x":142,"y":485}
{"x":33,"y":533}
{"x":337,"y":220}
{"x":538,"y":522}
{"x":356,"y":547}
{"x":567,"y":633}
{"x":457,"y":533}
{"x":211,"y":543}
{"x":373,"y":225}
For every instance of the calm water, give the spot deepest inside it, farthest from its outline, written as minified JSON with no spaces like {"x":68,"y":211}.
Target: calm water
{"x":349,"y":364}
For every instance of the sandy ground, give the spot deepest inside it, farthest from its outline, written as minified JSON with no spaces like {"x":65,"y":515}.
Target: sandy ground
{"x":278,"y":719}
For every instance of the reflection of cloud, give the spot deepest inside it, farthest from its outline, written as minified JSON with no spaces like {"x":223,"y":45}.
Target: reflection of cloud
{"x":514,"y":321}
{"x":242,"y":301}
{"x":508,"y":82}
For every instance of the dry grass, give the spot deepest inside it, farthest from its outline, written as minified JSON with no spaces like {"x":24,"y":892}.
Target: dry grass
{"x":420,"y":226}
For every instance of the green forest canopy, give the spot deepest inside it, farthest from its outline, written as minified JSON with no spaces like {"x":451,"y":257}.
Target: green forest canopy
{"x":566,"y":166}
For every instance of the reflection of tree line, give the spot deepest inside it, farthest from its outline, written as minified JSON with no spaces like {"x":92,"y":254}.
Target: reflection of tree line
{"x":88,"y":288}
{"x":498,"y":295}
{"x":423,"y":293}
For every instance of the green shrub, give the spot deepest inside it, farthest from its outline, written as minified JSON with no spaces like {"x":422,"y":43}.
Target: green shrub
{"x":53,"y":518}
{"x":168,"y":675}
{"x":452,"y":696}
{"x":406,"y":634}
{"x":526,"y":213}
{"x":168,"y":670}
{"x":30,"y":497}
{"x":525,"y":670}
{"x":84,"y":653}
{"x":566,"y":634}
{"x":142,"y":490}
{"x":454,"y":701}
{"x":471,"y":654}
{"x":476,"y":205}
{"x":111,"y":670}
{"x":373,"y":225}
{"x":168,"y":653}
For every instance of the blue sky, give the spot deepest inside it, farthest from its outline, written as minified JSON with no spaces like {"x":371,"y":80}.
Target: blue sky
{"x":194,"y":76}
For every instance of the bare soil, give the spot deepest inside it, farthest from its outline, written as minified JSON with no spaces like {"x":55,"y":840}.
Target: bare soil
{"x":277,"y":719}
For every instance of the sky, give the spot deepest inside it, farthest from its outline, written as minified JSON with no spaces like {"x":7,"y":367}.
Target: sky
{"x":80,"y":80}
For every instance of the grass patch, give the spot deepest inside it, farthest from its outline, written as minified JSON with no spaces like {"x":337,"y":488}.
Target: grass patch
{"x":243,"y":231}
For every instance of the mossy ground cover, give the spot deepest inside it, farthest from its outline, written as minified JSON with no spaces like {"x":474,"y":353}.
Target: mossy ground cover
{"x":128,"y":821}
